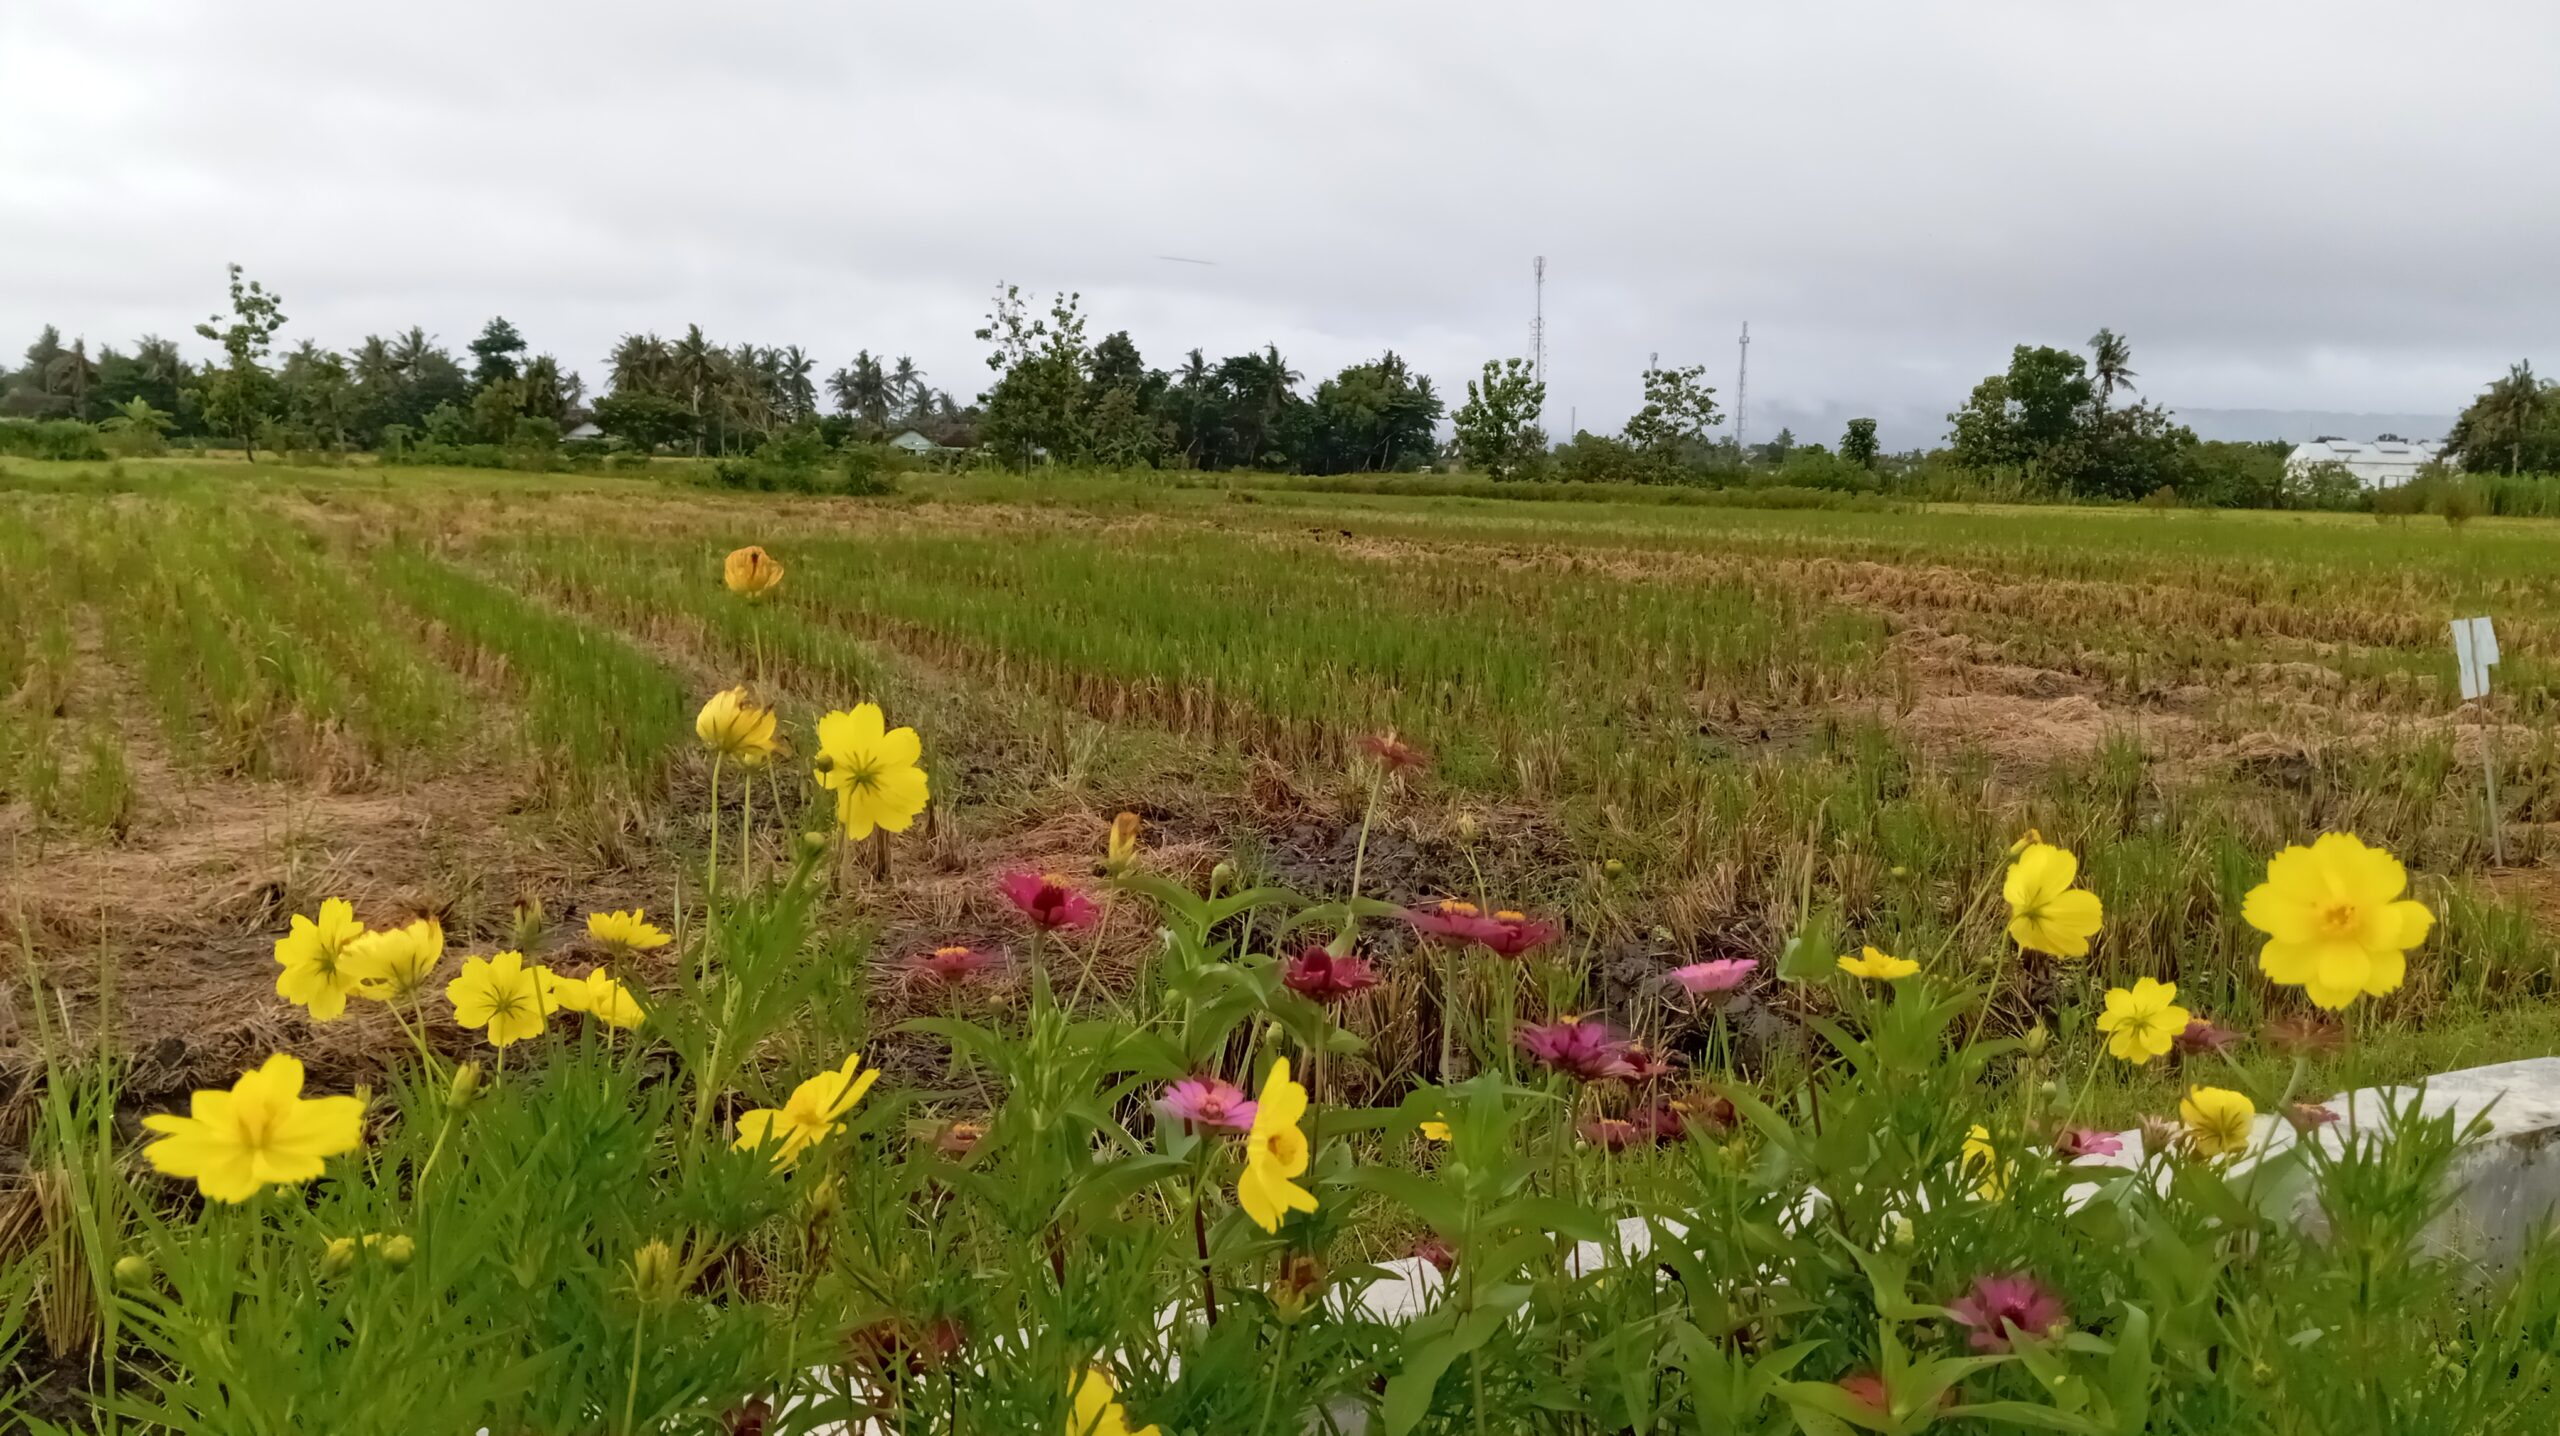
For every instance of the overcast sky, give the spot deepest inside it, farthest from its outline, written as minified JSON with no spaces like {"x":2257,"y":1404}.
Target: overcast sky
{"x":2343,"y":206}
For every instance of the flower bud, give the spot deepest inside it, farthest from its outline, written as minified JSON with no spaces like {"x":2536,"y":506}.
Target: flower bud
{"x":1221,"y":878}
{"x":812,"y":842}
{"x":1468,"y":828}
{"x":1898,"y":1230}
{"x":2037,"y":1040}
{"x":1122,"y":848}
{"x":338,"y":1258}
{"x":657,"y":1274}
{"x":395,"y":1250}
{"x":1293,"y":1293}
{"x":824,"y":1200}
{"x":1613,"y":867}
{"x":465,"y":1087}
{"x":132,"y":1269}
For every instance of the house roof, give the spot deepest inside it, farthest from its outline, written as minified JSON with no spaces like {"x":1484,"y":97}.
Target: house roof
{"x":2377,"y":463}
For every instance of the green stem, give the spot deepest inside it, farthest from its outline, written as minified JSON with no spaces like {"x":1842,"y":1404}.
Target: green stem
{"x":631,"y":1390}
{"x":711,"y":870}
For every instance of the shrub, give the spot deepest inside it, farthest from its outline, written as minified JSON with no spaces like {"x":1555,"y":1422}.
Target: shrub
{"x":63,"y":439}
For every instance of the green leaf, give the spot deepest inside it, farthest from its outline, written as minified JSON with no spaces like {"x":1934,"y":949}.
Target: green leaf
{"x":1410,"y":1390}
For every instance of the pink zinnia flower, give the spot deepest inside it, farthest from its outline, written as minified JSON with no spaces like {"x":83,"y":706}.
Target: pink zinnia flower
{"x":1700,"y":979}
{"x":1208,"y":1104}
{"x":950,"y":966}
{"x":1393,"y":753}
{"x":1319,"y":975}
{"x":1610,"y":1134}
{"x":1049,"y":901}
{"x":2086,"y":1142}
{"x":2202,"y":1036}
{"x":1643,"y":1066}
{"x":1438,"y":1253}
{"x":1670,"y":1121}
{"x":1509,"y":934}
{"x":1997,"y":1304}
{"x":1453,"y":919}
{"x":1588,"y":1051}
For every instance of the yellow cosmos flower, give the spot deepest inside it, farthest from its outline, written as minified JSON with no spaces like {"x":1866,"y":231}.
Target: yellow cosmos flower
{"x":813,"y":1113}
{"x":626,"y":933}
{"x":871,"y":768}
{"x":735,"y":726}
{"x":1275,"y":1151}
{"x":1098,"y":1413}
{"x":312,"y":955}
{"x":262,"y":1132}
{"x":2218,"y":1121}
{"x":751,"y":572}
{"x":1981,"y":1160}
{"x":1436,"y":1130}
{"x":2046,"y":913}
{"x":501,"y":994}
{"x":2335,"y":922}
{"x":596,"y":994}
{"x":1881,"y":966}
{"x":2142,"y":1021}
{"x":391,"y":965}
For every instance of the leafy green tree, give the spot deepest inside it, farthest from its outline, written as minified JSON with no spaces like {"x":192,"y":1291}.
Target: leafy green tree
{"x":318,"y":394}
{"x":2048,"y":389}
{"x":1981,"y":435}
{"x":551,"y":392}
{"x":1374,"y":417}
{"x":1858,"y":443}
{"x":644,"y":420}
{"x":493,"y":354}
{"x":153,"y":373}
{"x":2515,"y":423}
{"x":1038,"y":400}
{"x":1497,"y":427}
{"x":136,"y":430}
{"x":1679,"y":408}
{"x":1260,"y":391}
{"x":241,"y":393}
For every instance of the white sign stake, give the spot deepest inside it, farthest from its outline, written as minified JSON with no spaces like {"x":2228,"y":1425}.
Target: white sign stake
{"x":2475,"y":652}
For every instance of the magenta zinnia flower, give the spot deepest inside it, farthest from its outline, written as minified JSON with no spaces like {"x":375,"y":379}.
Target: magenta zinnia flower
{"x":1643,"y":1066}
{"x":1438,"y":1253}
{"x":950,"y":966}
{"x":1509,"y":934}
{"x":1317,"y":974}
{"x":1049,"y":901}
{"x":1610,"y":1134}
{"x":1208,"y":1104}
{"x":1699,"y":979}
{"x":1393,"y":753}
{"x":2086,"y":1142}
{"x":1452,"y":919}
{"x":2001,"y":1306}
{"x":1587,"y":1051}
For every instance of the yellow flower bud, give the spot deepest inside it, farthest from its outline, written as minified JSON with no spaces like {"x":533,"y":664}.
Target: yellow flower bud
{"x":339,"y":1257}
{"x":395,"y":1250}
{"x":2037,"y":1040}
{"x":1468,"y":828}
{"x":1613,"y":867}
{"x":465,"y":1087}
{"x":132,"y":1269}
{"x":525,"y":925}
{"x":1122,"y":849}
{"x":812,"y":842}
{"x":657,"y":1274}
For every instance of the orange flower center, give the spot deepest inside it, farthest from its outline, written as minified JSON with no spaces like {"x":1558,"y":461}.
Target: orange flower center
{"x":1452,"y":905}
{"x":2341,"y":919}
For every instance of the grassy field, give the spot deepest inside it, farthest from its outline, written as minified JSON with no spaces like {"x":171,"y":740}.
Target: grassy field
{"x":1688,"y":730}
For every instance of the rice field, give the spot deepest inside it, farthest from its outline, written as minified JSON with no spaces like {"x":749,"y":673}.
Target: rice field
{"x":1691,"y":730}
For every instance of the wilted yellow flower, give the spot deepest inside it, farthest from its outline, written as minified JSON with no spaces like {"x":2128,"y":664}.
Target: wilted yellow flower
{"x":872,"y":770}
{"x":735,"y":726}
{"x":1122,"y":849}
{"x":263,"y":1131}
{"x":1098,"y":1412}
{"x":2335,"y":922}
{"x":751,"y":572}
{"x":657,"y":1274}
{"x":2218,"y":1121}
{"x":501,"y":994}
{"x":1275,"y":1152}
{"x":2028,"y":839}
{"x":2143,"y":1020}
{"x":312,"y":953}
{"x":2046,"y":913}
{"x":626,"y":933}
{"x":392,"y":964}
{"x":811,"y":1115}
{"x":1981,"y":1161}
{"x":1881,"y":966}
{"x":596,"y":994}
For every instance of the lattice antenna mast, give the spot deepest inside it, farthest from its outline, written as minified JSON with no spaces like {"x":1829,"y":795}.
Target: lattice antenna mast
{"x":1538,"y":322}
{"x":1742,"y":398}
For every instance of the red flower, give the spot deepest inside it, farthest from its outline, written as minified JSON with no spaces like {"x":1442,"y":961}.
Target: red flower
{"x":2074,"y":1142}
{"x":1450,"y":918}
{"x":1209,"y":1104}
{"x":1393,"y":753}
{"x":1050,"y":902}
{"x":2310,"y":1116}
{"x":2202,"y":1036}
{"x":1610,"y":1134}
{"x":1587,"y":1051}
{"x":1319,"y":975}
{"x":2000,"y":1307}
{"x":1643,"y":1066}
{"x":1699,"y":979}
{"x":1670,"y":1121}
{"x":1438,"y":1253}
{"x":950,"y":966}
{"x":1512,"y":934}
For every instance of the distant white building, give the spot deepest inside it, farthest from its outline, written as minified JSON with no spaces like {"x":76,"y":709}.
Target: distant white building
{"x":583,"y":431}
{"x":915,"y":443}
{"x":2383,"y":463}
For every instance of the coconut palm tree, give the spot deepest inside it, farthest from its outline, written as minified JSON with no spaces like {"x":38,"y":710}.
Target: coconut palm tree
{"x":694,"y":363}
{"x":907,"y":390}
{"x":2113,"y":364}
{"x":639,"y":364}
{"x":799,"y":394}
